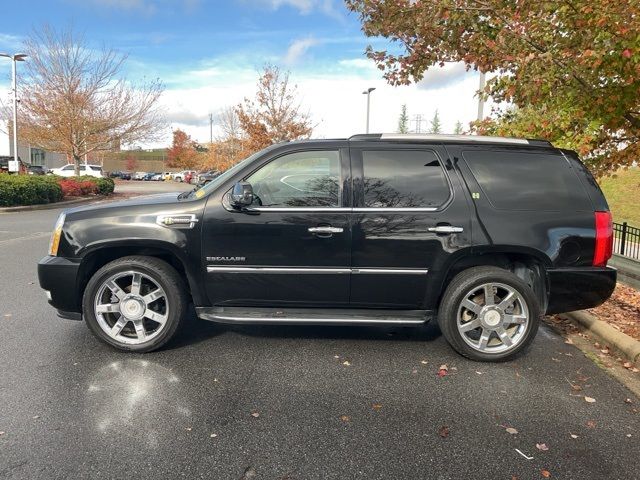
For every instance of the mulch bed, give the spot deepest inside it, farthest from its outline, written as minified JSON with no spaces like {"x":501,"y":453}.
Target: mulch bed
{"x":621,"y":311}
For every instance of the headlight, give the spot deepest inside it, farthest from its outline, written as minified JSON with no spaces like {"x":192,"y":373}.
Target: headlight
{"x":55,"y":236}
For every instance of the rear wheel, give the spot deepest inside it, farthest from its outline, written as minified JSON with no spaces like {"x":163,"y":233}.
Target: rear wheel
{"x":488,"y":314}
{"x":135,"y":303}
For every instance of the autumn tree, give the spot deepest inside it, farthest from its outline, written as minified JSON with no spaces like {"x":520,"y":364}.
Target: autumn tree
{"x":74,"y":99}
{"x":131,"y":164}
{"x":275,"y":114}
{"x":183,"y":153}
{"x":403,"y":120}
{"x":572,"y":68}
{"x":434,"y":124}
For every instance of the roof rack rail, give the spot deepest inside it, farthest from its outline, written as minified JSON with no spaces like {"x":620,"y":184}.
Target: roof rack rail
{"x":451,"y":138}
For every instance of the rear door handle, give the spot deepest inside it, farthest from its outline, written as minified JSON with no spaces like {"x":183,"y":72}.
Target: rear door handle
{"x":445,"y":229}
{"x":326,"y":229}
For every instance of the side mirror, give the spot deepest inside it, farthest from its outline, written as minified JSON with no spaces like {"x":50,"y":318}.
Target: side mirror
{"x":241,"y":195}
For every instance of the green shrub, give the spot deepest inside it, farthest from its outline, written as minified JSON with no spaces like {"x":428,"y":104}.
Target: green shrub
{"x":28,"y":190}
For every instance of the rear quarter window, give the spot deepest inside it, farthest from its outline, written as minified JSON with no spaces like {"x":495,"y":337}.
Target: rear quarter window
{"x":516,"y":180}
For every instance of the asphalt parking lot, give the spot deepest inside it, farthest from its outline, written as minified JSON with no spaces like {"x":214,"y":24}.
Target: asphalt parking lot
{"x":290,"y":402}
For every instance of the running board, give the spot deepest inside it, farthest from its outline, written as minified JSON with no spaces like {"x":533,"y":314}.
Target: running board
{"x":312,"y":316}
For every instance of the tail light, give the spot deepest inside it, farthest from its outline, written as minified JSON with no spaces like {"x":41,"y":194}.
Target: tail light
{"x":604,"y":239}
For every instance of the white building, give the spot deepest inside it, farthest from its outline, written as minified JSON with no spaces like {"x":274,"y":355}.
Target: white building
{"x":30,"y":154}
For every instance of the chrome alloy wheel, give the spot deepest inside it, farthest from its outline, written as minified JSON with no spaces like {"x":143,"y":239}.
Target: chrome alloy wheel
{"x":131,"y":307}
{"x":492,"y":318}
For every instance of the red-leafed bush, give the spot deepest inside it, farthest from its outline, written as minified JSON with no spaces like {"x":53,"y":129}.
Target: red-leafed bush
{"x":74,"y":188}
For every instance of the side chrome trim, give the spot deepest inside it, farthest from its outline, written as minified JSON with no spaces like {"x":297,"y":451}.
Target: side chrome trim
{"x":392,"y":210}
{"x":342,"y":209}
{"x":316,"y":271}
{"x":277,"y":270}
{"x":390,"y":271}
{"x":300,"y":209}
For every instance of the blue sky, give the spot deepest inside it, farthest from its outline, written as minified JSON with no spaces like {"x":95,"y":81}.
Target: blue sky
{"x":207,"y":54}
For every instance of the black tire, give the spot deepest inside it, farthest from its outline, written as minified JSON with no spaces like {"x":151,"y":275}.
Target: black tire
{"x":455,"y":293}
{"x":164,"y":275}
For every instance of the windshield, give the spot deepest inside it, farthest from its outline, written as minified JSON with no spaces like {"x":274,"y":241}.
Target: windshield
{"x":213,"y":184}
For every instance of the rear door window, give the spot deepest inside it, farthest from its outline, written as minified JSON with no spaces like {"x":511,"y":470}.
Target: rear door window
{"x":516,"y":180}
{"x":403,"y":179}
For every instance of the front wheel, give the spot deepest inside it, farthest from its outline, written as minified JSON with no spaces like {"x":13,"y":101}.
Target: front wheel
{"x":488,"y":314}
{"x":135,"y":303}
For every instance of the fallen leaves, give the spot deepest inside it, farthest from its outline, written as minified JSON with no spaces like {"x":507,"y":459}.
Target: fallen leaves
{"x":542,"y":447}
{"x":545,"y":473}
{"x":443,"y":431}
{"x":591,"y":424}
{"x":255,"y":414}
{"x":376,"y":406}
{"x":443,"y":370}
{"x":213,"y":435}
{"x":511,"y":431}
{"x":1,"y":433}
{"x":574,"y":436}
{"x":589,"y":399}
{"x":622,"y":311}
{"x":345,"y":418}
{"x":346,"y":363}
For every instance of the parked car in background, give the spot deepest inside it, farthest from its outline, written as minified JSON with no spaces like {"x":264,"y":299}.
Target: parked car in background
{"x":138,"y":175}
{"x":157,"y":177}
{"x":147,"y":176}
{"x":115,"y":174}
{"x":125,"y":175}
{"x":206,"y":177}
{"x":180,"y":176}
{"x":35,"y":170}
{"x":69,"y":170}
{"x":167,"y":176}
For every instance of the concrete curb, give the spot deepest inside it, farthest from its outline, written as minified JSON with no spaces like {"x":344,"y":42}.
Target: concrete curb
{"x":48,"y":206}
{"x":625,"y":344}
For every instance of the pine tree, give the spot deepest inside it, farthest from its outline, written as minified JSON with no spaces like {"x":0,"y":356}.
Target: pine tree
{"x":436,"y":126}
{"x":403,"y":120}
{"x":458,"y":128}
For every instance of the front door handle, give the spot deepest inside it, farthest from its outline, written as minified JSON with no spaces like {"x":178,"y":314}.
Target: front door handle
{"x":445,"y":229}
{"x":326,"y":230}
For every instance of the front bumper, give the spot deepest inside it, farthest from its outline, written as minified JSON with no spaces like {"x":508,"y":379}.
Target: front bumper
{"x":573,"y":289}
{"x":59,"y":277}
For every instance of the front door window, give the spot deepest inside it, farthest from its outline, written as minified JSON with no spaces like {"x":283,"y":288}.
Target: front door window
{"x":300,"y":179}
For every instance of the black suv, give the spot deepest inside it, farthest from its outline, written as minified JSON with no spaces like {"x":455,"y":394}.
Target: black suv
{"x":485,"y":234}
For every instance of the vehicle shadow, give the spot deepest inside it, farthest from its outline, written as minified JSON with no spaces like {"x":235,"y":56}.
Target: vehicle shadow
{"x":195,"y":331}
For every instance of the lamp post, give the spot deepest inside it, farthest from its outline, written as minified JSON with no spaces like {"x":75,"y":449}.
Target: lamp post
{"x":480,"y":96}
{"x":17,"y":57}
{"x":367,"y":92}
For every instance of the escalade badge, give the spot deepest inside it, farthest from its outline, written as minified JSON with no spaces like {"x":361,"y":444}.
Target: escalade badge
{"x":226,"y":259}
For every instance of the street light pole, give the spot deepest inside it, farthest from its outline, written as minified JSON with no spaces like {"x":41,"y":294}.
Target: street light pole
{"x":367,"y":92}
{"x":18,"y":57}
{"x":480,"y":96}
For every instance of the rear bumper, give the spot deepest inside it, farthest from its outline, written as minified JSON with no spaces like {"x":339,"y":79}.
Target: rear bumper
{"x":579,"y":288}
{"x":59,"y":276}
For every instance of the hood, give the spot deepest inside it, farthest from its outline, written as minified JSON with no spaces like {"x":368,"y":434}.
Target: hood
{"x":158,"y":199}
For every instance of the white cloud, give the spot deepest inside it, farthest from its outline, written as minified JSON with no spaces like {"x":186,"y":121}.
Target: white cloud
{"x":358,"y":63}
{"x":440,"y":77}
{"x":305,"y":7}
{"x":10,"y":42}
{"x":333,"y":98}
{"x":297,"y":49}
